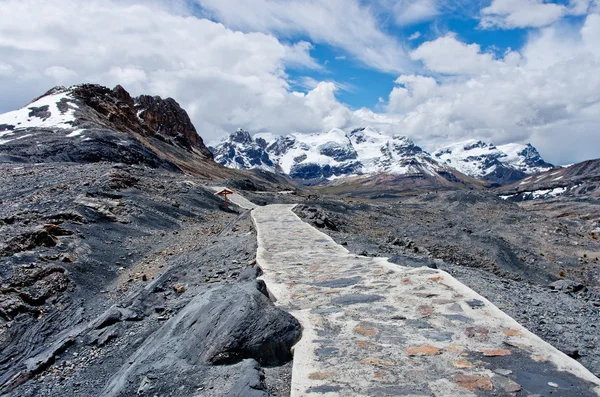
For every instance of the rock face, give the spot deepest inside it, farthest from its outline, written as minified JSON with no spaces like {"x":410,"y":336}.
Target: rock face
{"x":223,"y":326}
{"x":500,"y":165}
{"x":90,"y":123}
{"x":166,"y":118}
{"x":578,"y":180}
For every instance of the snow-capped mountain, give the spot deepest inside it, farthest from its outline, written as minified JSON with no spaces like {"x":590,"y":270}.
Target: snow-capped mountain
{"x":328,"y":155}
{"x":91,"y":123}
{"x":366,"y":151}
{"x":497,"y":164}
{"x":241,"y":151}
{"x":77,"y":112}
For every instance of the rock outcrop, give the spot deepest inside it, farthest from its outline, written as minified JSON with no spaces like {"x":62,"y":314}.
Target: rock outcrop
{"x":91,"y":123}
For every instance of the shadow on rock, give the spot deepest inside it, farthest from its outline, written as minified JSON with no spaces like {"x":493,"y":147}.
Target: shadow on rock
{"x":221,"y":326}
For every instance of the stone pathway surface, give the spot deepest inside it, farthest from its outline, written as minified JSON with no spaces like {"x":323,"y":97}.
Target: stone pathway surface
{"x":372,"y":328}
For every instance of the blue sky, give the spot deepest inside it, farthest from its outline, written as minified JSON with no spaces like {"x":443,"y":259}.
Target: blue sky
{"x":363,"y":86}
{"x":437,"y":71}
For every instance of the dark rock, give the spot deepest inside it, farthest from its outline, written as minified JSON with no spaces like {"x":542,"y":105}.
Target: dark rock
{"x":223,"y":325}
{"x":251,"y":382}
{"x":324,"y":389}
{"x":339,"y":283}
{"x":475,"y":303}
{"x":566,"y":286}
{"x":353,"y":299}
{"x":165,"y":117}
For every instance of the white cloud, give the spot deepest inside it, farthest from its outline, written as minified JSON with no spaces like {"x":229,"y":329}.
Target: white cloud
{"x":508,"y":14}
{"x":412,"y":90}
{"x":549,"y":94}
{"x":450,"y":56}
{"x":60,"y":73}
{"x":128,"y":75}
{"x":5,"y":69}
{"x":311,"y":83}
{"x":225,"y":79}
{"x":414,"y":36}
{"x":408,"y":12}
{"x":341,"y":23}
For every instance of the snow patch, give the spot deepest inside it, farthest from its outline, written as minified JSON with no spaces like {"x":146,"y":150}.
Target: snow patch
{"x":75,"y":133}
{"x":43,"y":113}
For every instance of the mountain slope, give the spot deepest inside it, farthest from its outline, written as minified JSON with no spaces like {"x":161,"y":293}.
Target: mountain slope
{"x":242,"y":152}
{"x":500,"y":165}
{"x":581,"y":179}
{"x":90,"y":123}
{"x":93,"y":123}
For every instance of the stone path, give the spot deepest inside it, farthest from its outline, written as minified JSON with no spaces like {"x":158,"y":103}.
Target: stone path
{"x":372,"y":328}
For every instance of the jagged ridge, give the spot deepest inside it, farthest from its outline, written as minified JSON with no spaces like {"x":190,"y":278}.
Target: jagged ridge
{"x":326,"y":156}
{"x":365,"y":151}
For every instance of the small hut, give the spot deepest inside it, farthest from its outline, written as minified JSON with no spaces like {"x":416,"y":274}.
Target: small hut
{"x":223,"y":193}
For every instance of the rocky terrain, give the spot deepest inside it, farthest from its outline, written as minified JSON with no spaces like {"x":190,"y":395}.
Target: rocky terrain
{"x":578,"y":180}
{"x":539,"y":266}
{"x":121,"y":273}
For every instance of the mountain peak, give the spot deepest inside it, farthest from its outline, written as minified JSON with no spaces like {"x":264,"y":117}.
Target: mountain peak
{"x":498,"y":164}
{"x":90,"y":122}
{"x":326,"y":155}
{"x":240,"y":136}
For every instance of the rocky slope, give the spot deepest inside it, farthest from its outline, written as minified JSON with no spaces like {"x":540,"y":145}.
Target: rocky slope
{"x":241,"y":151}
{"x":90,"y":123}
{"x":578,"y":180}
{"x":111,"y":240}
{"x":77,"y":113}
{"x":499,"y":165}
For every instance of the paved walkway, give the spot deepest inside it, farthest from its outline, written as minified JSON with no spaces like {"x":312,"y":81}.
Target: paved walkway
{"x":372,"y":328}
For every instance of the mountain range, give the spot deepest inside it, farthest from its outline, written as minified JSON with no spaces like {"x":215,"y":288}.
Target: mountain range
{"x":92,"y":123}
{"x":328,"y":156}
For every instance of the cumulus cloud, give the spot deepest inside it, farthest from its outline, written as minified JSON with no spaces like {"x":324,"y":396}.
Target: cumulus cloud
{"x":225,"y":79}
{"x":342,"y":23}
{"x":548,"y":94}
{"x":449,"y":55}
{"x":508,"y":14}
